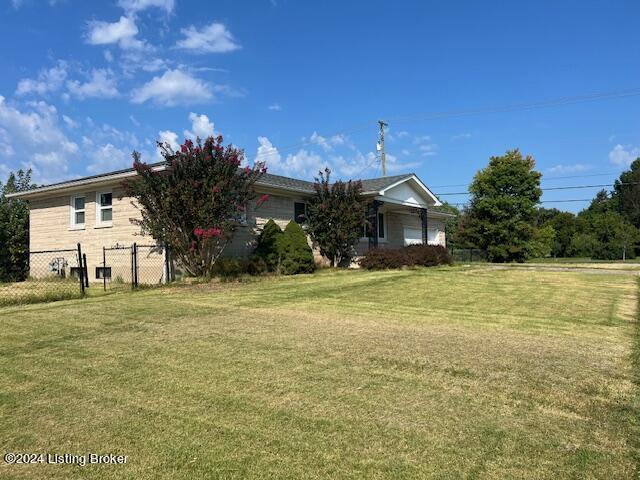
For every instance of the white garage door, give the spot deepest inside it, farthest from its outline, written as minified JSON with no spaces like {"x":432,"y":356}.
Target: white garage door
{"x":413,"y":236}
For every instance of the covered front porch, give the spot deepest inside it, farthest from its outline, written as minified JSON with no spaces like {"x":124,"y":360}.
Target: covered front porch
{"x":403,"y":214}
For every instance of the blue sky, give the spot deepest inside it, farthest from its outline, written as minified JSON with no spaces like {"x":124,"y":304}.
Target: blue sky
{"x":301,"y":84}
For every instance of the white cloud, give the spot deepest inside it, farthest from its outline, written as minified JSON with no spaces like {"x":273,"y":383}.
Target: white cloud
{"x":421,"y":139}
{"x":575,"y":168}
{"x":123,"y":32}
{"x":167,"y":136}
{"x":174,"y":87}
{"x":306,"y":164}
{"x":200,"y":127}
{"x":267,"y":153}
{"x":275,"y":107}
{"x":428,"y":149}
{"x":461,"y":136}
{"x":71,"y":123}
{"x":107,"y":158}
{"x":110,"y":133}
{"x":134,"y":6}
{"x":327,"y":143}
{"x":213,"y":38}
{"x":35,"y":135}
{"x":101,"y":85}
{"x":623,"y":155}
{"x":48,"y":81}
{"x":303,"y":164}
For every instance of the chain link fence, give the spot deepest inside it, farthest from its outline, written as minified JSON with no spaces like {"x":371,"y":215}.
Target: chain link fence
{"x":150,"y":264}
{"x":64,"y":274}
{"x":468,"y":255}
{"x":53,"y":275}
{"x":116,"y":269}
{"x":128,"y":267}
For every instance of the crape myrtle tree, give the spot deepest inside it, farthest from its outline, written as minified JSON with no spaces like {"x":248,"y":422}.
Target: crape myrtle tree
{"x":335,"y":217}
{"x":502,"y":209}
{"x":196,"y":203}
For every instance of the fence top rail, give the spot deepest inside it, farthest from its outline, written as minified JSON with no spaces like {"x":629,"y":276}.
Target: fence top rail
{"x":118,"y":248}
{"x":56,"y":251}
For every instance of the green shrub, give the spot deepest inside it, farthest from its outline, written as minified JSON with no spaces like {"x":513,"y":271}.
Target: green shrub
{"x":268,"y":246}
{"x":427,"y":255}
{"x":295,"y":253}
{"x":230,"y":267}
{"x":411,"y":256}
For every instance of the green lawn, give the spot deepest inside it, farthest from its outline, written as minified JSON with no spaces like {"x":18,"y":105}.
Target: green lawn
{"x":441,"y":373}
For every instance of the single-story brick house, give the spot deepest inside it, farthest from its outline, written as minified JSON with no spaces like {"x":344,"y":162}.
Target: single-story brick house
{"x":95,"y":211}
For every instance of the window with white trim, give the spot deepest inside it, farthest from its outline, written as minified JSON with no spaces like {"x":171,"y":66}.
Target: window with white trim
{"x":104,"y":208}
{"x":382,"y":228}
{"x":77,"y":219}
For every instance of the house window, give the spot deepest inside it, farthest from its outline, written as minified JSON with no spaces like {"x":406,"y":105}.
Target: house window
{"x":75,"y":272}
{"x":103,"y":272}
{"x":104,"y":208}
{"x":77,"y":212}
{"x":381,"y":227}
{"x":299,"y":212}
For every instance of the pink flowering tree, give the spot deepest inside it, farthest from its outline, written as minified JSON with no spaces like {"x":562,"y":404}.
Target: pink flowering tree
{"x":196,"y":203}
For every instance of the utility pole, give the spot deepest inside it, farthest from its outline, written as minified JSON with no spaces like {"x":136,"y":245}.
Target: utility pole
{"x":383,"y":157}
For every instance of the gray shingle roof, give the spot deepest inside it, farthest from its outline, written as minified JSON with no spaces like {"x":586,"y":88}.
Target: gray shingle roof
{"x":380,"y":183}
{"x":368,"y":185}
{"x":267,"y":180}
{"x":278,"y":181}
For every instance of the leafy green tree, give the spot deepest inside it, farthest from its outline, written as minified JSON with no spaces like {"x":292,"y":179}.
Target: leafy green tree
{"x":268,"y":245}
{"x":295,"y":253}
{"x":503,"y":207}
{"x":564,"y":226}
{"x":601,"y":203}
{"x":542,"y":242}
{"x":582,"y":245}
{"x":335,"y":216}
{"x":604,"y":234}
{"x":196,"y":203}
{"x":626,"y":193}
{"x":14,"y":228}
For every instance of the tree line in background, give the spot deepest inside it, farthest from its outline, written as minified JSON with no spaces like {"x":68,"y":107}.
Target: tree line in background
{"x":503,"y":218}
{"x":14,"y":228}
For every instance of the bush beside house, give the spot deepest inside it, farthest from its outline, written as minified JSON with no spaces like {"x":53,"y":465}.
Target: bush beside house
{"x":411,"y":256}
{"x":268,"y":249}
{"x":295,"y":253}
{"x":285,"y":252}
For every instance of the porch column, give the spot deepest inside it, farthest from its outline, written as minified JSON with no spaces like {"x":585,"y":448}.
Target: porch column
{"x":372,"y":217}
{"x":425,"y":225}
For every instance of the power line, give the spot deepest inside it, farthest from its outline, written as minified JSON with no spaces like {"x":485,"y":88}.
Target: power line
{"x":542,"y":201}
{"x":566,"y":187}
{"x":544,"y":179}
{"x":559,"y":101}
{"x":553,"y":102}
